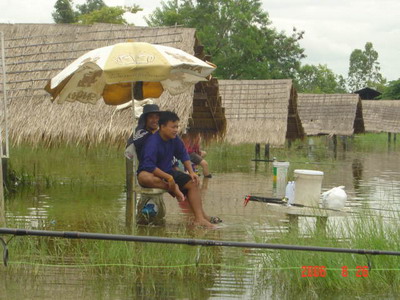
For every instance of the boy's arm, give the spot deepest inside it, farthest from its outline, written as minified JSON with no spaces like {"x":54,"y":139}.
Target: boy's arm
{"x":192,"y":174}
{"x":167,"y":177}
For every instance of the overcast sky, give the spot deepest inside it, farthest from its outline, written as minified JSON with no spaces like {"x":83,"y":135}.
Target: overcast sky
{"x":333,"y":28}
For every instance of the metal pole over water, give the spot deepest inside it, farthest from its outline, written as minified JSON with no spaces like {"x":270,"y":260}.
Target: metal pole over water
{"x":185,"y":241}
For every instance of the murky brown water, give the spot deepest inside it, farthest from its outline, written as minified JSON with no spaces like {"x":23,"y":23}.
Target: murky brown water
{"x":372,"y":180}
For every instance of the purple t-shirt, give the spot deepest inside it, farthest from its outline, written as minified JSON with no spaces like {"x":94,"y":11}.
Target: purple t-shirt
{"x":158,"y":153}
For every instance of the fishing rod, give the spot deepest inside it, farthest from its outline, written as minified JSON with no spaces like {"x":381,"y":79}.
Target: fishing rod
{"x":281,"y":201}
{"x":300,"y":162}
{"x":182,"y":241}
{"x":263,"y":199}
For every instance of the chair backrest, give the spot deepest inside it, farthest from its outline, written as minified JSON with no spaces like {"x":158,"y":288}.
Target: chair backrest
{"x":130,"y":153}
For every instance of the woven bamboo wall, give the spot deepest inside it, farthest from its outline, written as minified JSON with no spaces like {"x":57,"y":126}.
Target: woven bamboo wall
{"x":260,"y":111}
{"x":339,"y":114}
{"x":381,"y":115}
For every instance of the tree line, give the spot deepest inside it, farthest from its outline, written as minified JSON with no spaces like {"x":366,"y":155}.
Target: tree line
{"x":242,"y":42}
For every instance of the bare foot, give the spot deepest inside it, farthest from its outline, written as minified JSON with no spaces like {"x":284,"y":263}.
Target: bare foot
{"x":204,"y":223}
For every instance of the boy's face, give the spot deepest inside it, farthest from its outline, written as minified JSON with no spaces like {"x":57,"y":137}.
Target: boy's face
{"x":170,"y":130}
{"x":152,"y":121}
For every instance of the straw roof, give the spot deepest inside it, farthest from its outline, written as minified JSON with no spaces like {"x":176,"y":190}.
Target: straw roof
{"x":260,"y":111}
{"x":381,"y":115}
{"x":37,"y":52}
{"x":339,"y":114}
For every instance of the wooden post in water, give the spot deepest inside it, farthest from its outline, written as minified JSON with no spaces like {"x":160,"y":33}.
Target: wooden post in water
{"x":130,"y":217}
{"x":345,"y":143}
{"x":335,"y":145}
{"x":258,"y":147}
{"x":389,"y":137}
{"x":394,"y":138}
{"x":266,"y":152}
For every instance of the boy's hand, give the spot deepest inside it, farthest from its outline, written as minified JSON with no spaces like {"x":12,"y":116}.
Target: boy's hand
{"x":194,"y":177}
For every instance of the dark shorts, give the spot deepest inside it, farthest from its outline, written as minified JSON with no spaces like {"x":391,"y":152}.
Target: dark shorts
{"x":195,"y":158}
{"x":181,"y":179}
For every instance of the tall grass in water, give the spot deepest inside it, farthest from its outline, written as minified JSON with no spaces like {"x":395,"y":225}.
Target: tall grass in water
{"x":364,"y":232}
{"x":67,"y":164}
{"x":372,"y":141}
{"x":114,"y":257}
{"x":104,"y":164}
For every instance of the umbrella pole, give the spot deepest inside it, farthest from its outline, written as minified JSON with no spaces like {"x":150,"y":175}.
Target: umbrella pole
{"x":132,"y":195}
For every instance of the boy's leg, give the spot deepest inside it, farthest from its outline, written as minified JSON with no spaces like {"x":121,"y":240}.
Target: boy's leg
{"x":178,"y":194}
{"x":204,"y":166}
{"x":149,"y":180}
{"x":194,"y":198}
{"x":193,"y":195}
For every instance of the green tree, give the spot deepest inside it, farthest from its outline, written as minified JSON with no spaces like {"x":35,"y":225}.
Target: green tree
{"x":392,"y":91}
{"x":63,"y":12}
{"x":89,"y":6}
{"x":238,"y":36}
{"x":93,"y":11}
{"x":319,"y":80}
{"x":113,"y":15}
{"x":364,"y":69}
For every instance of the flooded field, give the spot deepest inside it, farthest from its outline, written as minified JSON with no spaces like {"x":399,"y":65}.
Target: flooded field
{"x":83,"y":190}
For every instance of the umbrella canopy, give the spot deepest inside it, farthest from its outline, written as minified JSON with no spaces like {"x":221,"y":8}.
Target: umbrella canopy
{"x":110,"y":72}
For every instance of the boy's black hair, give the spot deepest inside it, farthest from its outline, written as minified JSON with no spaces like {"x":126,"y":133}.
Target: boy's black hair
{"x":167,"y":116}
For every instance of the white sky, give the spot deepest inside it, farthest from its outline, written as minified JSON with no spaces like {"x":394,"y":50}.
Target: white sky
{"x":333,"y":28}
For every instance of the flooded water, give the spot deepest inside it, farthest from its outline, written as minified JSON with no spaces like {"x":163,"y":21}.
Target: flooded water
{"x":371,"y":179}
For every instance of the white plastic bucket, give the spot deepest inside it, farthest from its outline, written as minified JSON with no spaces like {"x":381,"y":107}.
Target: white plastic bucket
{"x":280,"y":174}
{"x":308,"y":187}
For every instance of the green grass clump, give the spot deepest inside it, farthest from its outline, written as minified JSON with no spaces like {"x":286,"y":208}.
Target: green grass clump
{"x":365,"y":232}
{"x":371,"y":142}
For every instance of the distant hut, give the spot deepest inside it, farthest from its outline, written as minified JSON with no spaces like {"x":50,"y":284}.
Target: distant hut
{"x":37,"y":52}
{"x":334,"y":114}
{"x":260,"y":111}
{"x":381,"y":116}
{"x":368,"y":93}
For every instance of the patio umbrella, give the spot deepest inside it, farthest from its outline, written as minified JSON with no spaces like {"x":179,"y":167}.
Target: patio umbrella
{"x":127,"y":71}
{"x":124,"y":71}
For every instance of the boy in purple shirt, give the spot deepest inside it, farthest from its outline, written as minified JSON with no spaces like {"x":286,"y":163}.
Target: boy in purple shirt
{"x":156,"y":170}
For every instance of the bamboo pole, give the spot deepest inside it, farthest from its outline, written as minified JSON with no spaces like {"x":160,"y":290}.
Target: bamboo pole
{"x":130,"y":177}
{"x":190,"y":242}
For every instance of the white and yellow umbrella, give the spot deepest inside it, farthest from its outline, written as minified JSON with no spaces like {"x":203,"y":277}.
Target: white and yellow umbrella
{"x":127,"y":71}
{"x":113,"y":72}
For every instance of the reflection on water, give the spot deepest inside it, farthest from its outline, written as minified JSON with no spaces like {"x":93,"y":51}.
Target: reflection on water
{"x":371,"y":180}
